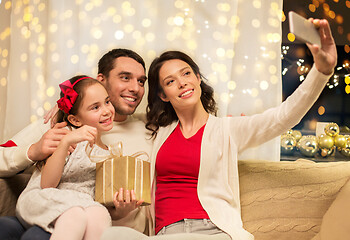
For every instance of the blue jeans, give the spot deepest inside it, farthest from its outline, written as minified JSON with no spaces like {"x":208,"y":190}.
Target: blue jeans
{"x":12,"y":229}
{"x":187,"y":229}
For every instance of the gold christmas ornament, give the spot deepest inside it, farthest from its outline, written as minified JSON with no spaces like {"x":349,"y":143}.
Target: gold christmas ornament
{"x":346,"y":150}
{"x":288,"y":143}
{"x":340,"y":141}
{"x":296,"y":134}
{"x":332,"y":129}
{"x":325,"y":141}
{"x":325,"y":152}
{"x":289,"y":131}
{"x":308,"y":145}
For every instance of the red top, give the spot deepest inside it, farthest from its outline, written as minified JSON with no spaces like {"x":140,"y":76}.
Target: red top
{"x":177,"y":168}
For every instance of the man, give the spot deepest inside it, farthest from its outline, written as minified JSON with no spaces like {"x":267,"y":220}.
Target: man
{"x":122,"y":72}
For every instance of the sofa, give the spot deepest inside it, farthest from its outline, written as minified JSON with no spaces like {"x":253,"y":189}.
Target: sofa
{"x":279,"y":200}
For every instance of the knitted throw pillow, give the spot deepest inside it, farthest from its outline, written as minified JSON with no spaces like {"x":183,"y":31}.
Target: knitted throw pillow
{"x":287,"y":200}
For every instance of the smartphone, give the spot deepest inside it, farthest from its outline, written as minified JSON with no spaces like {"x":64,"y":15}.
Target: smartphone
{"x":303,"y":29}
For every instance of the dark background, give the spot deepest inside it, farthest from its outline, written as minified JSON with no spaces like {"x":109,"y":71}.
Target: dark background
{"x":335,"y":101}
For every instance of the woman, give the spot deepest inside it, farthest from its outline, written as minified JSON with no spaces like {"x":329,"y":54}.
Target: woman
{"x":194,"y":156}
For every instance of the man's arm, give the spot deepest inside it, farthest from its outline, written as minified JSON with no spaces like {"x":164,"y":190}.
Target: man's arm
{"x":13,"y":157}
{"x":34,"y":143}
{"x":48,"y":143}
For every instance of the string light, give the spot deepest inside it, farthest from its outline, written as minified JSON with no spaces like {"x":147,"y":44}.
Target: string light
{"x":333,"y":81}
{"x":326,"y":8}
{"x":302,"y":70}
{"x":183,"y":26}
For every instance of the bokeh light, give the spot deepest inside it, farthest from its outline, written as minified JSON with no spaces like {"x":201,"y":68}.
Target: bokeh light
{"x":59,"y":48}
{"x":3,"y":82}
{"x":291,"y":37}
{"x":321,"y":110}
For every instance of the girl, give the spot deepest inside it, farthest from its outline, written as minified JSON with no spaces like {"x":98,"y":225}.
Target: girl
{"x":60,"y":195}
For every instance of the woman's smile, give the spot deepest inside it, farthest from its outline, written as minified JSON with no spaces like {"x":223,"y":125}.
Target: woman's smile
{"x":187,"y":93}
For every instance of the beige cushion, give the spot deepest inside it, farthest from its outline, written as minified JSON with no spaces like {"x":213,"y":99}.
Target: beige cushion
{"x":336,"y":222}
{"x":287,"y":200}
{"x":10,"y":189}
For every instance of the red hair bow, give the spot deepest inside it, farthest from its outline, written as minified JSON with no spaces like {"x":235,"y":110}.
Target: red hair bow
{"x":66,"y":102}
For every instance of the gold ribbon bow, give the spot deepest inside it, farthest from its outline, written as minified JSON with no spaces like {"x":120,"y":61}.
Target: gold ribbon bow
{"x":115,"y":150}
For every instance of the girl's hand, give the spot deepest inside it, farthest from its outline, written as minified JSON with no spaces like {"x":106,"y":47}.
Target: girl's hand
{"x":84,"y":133}
{"x":123,"y":206}
{"x":325,"y":56}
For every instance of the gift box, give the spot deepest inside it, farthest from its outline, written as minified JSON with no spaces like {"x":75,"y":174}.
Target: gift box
{"x":117,"y":171}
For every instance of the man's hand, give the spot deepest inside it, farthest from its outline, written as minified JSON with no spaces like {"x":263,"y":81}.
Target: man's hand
{"x":124,"y":205}
{"x":48,"y":143}
{"x":325,"y":56}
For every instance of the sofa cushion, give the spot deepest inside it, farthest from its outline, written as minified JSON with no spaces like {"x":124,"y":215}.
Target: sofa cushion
{"x":287,"y":200}
{"x":336,"y":222}
{"x":10,"y":189}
